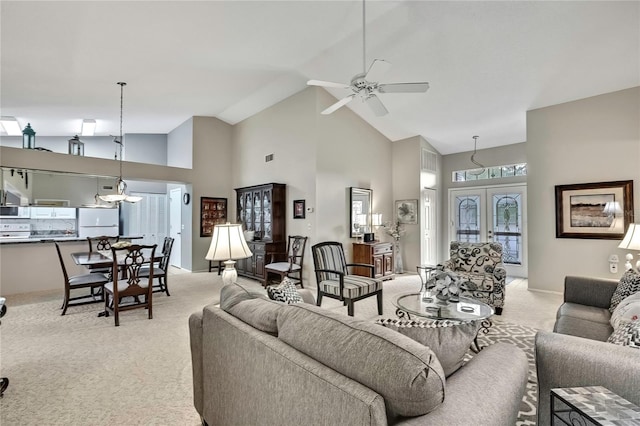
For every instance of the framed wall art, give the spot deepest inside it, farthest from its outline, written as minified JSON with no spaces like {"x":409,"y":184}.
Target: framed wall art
{"x":213,"y":211}
{"x":407,"y":211}
{"x":298,"y":209}
{"x":601,"y":210}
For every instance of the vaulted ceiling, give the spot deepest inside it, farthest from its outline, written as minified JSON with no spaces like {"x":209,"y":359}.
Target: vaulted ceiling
{"x":487,"y":62}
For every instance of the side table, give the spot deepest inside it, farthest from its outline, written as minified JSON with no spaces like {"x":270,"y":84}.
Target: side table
{"x":591,"y":405}
{"x":424,"y":271}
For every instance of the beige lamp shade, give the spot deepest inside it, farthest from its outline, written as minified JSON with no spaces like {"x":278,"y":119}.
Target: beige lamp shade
{"x":228,"y":243}
{"x":631,"y":240}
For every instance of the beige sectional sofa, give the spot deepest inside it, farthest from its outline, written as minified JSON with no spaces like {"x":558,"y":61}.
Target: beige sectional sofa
{"x":577,"y":353}
{"x":256,"y":361}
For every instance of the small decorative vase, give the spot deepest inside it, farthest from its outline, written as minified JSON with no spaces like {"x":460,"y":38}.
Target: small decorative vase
{"x":398,"y":267}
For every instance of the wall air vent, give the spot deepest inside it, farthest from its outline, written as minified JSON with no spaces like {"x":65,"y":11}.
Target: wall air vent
{"x":268,"y":158}
{"x":429,"y":161}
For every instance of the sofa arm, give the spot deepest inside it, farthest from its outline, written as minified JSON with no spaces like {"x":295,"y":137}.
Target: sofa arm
{"x":195,"y":336}
{"x":487,"y":390}
{"x":565,"y":361}
{"x":589,"y":291}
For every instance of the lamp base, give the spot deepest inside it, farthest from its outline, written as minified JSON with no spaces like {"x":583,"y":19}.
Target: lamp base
{"x":229,"y":275}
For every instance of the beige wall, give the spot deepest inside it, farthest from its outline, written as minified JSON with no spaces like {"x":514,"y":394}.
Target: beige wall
{"x":591,"y":140}
{"x":318,"y":158}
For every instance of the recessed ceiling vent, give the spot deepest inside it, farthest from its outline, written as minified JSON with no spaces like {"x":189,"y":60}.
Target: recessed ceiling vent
{"x":268,"y":158}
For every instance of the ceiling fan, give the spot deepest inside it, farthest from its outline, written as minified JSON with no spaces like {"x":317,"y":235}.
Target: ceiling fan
{"x":366,"y":85}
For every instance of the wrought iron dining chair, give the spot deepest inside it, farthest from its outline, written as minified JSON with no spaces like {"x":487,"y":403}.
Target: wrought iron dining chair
{"x":334,"y":280}
{"x":91,"y":281}
{"x":292,"y":267}
{"x":128,"y":287}
{"x":161,"y":268}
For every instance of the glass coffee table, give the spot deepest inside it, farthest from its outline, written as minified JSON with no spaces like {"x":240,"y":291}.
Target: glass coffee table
{"x":426,"y":306}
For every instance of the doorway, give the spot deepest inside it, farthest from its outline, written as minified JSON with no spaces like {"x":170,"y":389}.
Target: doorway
{"x":492,"y":213}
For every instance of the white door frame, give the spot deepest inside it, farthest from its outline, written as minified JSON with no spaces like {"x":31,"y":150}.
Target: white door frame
{"x":484,"y":223}
{"x":175,"y":226}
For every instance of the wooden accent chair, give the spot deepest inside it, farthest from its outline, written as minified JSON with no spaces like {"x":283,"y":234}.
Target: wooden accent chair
{"x":292,"y":267}
{"x":160,"y":270}
{"x":91,"y":281}
{"x":334,"y":280}
{"x":129,"y":284}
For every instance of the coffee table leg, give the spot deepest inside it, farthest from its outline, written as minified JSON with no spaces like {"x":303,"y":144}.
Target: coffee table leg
{"x":402,"y":314}
{"x":485,"y":324}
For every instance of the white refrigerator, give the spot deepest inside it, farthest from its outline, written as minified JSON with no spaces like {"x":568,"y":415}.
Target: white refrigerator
{"x":98,"y":222}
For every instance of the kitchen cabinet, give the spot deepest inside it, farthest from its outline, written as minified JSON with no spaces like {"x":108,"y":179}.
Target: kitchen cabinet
{"x":262,"y":209}
{"x":378,"y":254}
{"x":53,"y":213}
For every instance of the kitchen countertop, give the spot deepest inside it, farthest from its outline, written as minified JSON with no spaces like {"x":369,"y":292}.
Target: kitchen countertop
{"x":42,"y":239}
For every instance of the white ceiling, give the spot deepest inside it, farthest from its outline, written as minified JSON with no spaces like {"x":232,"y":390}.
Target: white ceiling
{"x":487,"y":62}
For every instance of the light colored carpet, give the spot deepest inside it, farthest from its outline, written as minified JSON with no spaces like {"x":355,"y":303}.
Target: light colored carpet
{"x":80,"y":369}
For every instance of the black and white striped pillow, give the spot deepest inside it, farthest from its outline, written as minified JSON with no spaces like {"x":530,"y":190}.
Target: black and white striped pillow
{"x":627,"y":334}
{"x":628,"y":285}
{"x":285,"y":292}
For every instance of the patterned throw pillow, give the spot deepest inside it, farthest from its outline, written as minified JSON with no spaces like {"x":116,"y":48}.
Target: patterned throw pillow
{"x":627,"y":310}
{"x":628,"y":334}
{"x":449,"y":340}
{"x":628,"y":285}
{"x":285,"y":292}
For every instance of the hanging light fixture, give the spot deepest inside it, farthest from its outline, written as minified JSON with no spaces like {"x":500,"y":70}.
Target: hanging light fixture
{"x":480,"y":170}
{"x":121,"y":185}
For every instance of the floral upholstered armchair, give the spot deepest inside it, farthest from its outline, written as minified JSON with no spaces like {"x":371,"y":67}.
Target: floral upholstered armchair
{"x":480,"y":263}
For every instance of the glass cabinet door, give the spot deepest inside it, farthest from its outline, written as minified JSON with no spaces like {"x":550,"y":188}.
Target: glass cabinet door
{"x":257,"y":214}
{"x":266,"y":214}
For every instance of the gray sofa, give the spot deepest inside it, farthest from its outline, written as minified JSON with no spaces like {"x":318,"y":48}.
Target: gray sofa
{"x":256,"y":361}
{"x":577,"y":353}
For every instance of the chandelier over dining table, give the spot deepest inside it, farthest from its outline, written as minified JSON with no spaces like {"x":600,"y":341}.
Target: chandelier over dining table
{"x":120,"y":186}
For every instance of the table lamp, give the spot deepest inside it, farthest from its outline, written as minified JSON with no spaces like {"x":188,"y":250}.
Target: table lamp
{"x":631,"y":241}
{"x":228,"y":244}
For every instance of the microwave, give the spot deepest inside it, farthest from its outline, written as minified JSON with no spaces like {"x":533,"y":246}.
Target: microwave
{"x":14,"y":212}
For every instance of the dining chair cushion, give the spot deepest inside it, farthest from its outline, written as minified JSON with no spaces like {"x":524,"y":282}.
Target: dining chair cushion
{"x":283,"y":267}
{"x":123,"y":285}
{"x":405,"y":373}
{"x":86,"y":279}
{"x":354,"y":286}
{"x":449,"y":340}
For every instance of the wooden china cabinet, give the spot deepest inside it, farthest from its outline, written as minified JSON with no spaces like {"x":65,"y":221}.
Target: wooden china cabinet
{"x":262,"y":208}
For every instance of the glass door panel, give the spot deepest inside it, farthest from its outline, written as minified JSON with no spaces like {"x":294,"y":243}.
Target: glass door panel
{"x":492,"y":214}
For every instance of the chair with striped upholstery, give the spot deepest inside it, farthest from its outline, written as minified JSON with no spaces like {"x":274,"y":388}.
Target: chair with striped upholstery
{"x":334,"y":280}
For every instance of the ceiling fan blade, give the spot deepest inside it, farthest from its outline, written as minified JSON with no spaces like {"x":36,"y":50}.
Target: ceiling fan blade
{"x":327,"y":84}
{"x":403,"y":87}
{"x":377,"y":70}
{"x":338,"y":104}
{"x":376,"y":105}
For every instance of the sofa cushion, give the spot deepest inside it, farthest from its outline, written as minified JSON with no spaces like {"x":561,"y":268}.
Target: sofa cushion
{"x":449,"y":340}
{"x":250,"y":307}
{"x":285,"y":292}
{"x":628,"y":285}
{"x":583,"y":321}
{"x":627,"y":310}
{"x":407,"y":374}
{"x":627,"y":334}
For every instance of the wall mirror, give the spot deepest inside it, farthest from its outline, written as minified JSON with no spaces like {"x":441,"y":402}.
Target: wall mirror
{"x":360,"y":200}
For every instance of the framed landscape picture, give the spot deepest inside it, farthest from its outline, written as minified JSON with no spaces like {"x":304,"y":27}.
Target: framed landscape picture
{"x":407,"y":211}
{"x":213,"y":211}
{"x":600,"y":210}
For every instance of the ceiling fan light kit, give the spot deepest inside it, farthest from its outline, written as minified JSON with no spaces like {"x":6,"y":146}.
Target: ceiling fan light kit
{"x":367,"y":84}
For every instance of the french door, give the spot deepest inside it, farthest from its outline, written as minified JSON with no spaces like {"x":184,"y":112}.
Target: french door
{"x":496,"y":213}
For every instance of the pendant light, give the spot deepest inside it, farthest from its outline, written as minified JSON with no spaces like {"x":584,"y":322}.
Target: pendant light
{"x":480,"y":170}
{"x":121,"y":185}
